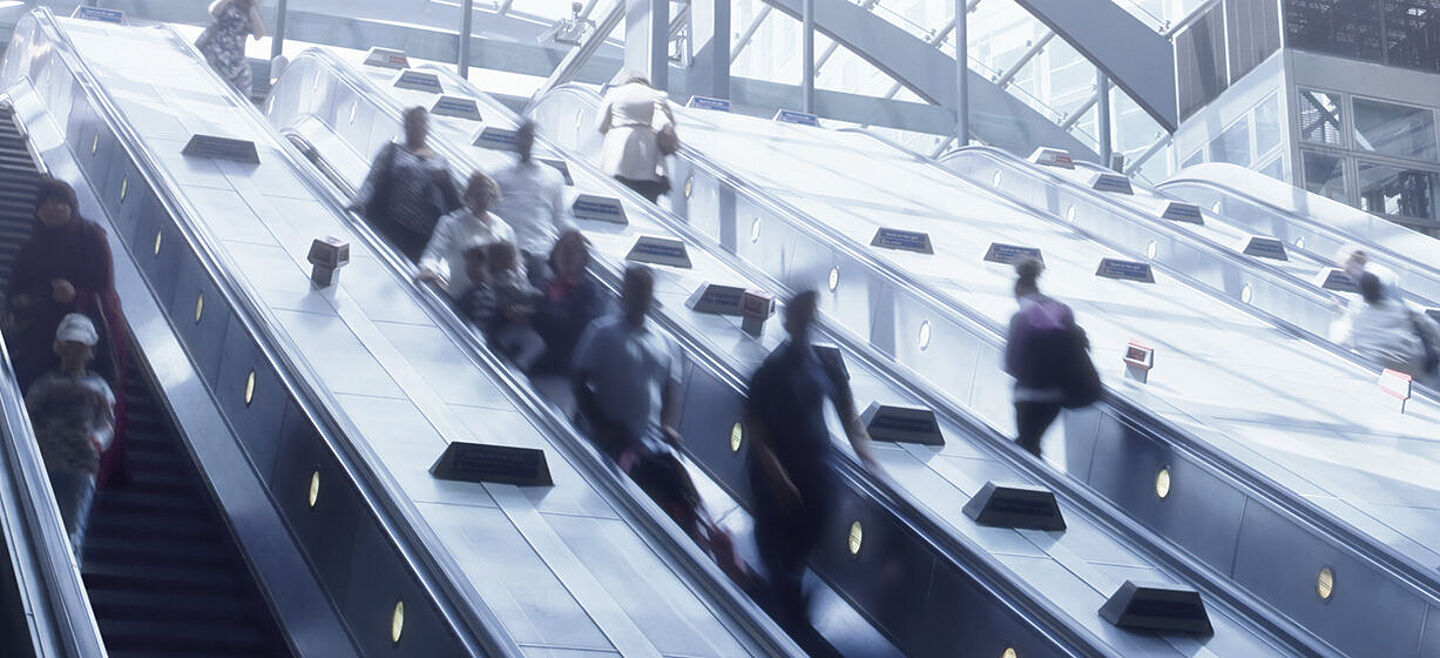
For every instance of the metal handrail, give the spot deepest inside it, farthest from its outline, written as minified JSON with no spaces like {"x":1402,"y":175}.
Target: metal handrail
{"x":1365,"y":547}
{"x":656,"y":528}
{"x":1100,"y":510}
{"x":400,"y":521}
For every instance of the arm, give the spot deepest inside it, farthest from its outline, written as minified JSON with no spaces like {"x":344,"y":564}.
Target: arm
{"x":844,"y":400}
{"x":670,"y":413}
{"x":433,"y":266}
{"x":257,"y":24}
{"x":217,"y":7}
{"x":760,"y":446}
{"x":379,"y":168}
{"x":604,"y":118}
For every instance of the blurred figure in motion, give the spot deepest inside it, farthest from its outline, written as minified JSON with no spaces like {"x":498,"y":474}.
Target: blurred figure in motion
{"x":500,"y":301}
{"x":639,"y":130}
{"x":73,"y":412}
{"x":1048,"y":355}
{"x":1389,"y":334}
{"x":443,"y":260}
{"x":791,"y":467}
{"x":1356,"y":263}
{"x":532,"y":200}
{"x":571,"y":300}
{"x":408,"y":189}
{"x":223,"y":41}
{"x":627,"y":385}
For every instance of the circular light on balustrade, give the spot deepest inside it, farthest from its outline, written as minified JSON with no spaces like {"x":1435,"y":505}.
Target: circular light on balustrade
{"x":314,"y":488}
{"x":1070,"y":213}
{"x":1162,"y":483}
{"x":755,"y":230}
{"x":737,"y":436}
{"x":124,"y":187}
{"x":833,"y":280}
{"x":397,"y":622}
{"x":689,"y":186}
{"x":250,"y":388}
{"x":1009,"y":652}
{"x":857,"y":538}
{"x":1152,"y":249}
{"x":159,"y":238}
{"x":925,"y":335}
{"x":1215,"y":207}
{"x":1246,"y":293}
{"x":995,"y":178}
{"x":1325,"y":584}
{"x":1300,"y":242}
{"x":199,"y":307}
{"x":95,"y":144}
{"x":354,"y":107}
{"x":270,"y":106}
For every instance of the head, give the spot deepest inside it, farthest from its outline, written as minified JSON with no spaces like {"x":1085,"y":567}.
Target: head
{"x":525,"y":140}
{"x":75,"y":341}
{"x":637,"y":294}
{"x":1370,"y":289}
{"x":632,"y":77}
{"x":1027,"y":277}
{"x":56,"y":205}
{"x":477,"y":265}
{"x":571,"y":254}
{"x":800,"y":313}
{"x":502,"y":258}
{"x":481,"y":192}
{"x":417,"y":127}
{"x":576,"y":8}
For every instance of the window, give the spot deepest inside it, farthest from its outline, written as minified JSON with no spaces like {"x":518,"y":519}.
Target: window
{"x":1233,"y":145}
{"x":1274,"y":169}
{"x":1324,"y":174}
{"x":1398,"y":130}
{"x":1195,"y":158}
{"x":1320,"y":117}
{"x":1397,"y":191}
{"x":1268,"y":131}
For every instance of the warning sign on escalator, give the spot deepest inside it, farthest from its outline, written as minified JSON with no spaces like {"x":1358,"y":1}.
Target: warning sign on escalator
{"x":894,"y":238}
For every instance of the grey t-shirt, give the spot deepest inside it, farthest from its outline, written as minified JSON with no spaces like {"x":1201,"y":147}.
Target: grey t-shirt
{"x":630,"y":366}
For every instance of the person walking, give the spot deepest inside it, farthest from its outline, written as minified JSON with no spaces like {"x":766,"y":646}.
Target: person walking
{"x":791,"y":461}
{"x":572,"y":300}
{"x":633,"y":117}
{"x":1388,"y":333}
{"x":443,"y":260}
{"x":532,"y":200}
{"x":1048,"y":355}
{"x":73,"y":412}
{"x":223,"y":41}
{"x":408,"y":189}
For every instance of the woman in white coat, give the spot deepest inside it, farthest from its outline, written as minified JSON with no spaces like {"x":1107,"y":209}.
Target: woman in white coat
{"x":630,"y":117}
{"x":443,"y":261}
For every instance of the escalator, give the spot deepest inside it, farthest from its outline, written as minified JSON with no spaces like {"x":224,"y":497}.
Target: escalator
{"x":162,"y":571}
{"x":1249,"y":480}
{"x":336,"y":128}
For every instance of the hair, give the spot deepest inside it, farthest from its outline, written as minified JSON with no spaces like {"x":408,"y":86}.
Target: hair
{"x":1370,"y":288}
{"x":571,"y":239}
{"x":801,"y":309}
{"x":636,"y":76}
{"x":637,"y":273}
{"x":54,"y":189}
{"x":525,"y":140}
{"x":1028,"y":272}
{"x":476,"y":252}
{"x":501,"y":256}
{"x":480,"y":183}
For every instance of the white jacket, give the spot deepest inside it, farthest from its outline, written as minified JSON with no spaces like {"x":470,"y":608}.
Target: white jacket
{"x":627,"y":119}
{"x":454,"y":233}
{"x":532,"y":201}
{"x":1384,"y":334}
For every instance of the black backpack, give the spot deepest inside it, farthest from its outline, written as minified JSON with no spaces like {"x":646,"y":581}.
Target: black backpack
{"x":1060,"y":358}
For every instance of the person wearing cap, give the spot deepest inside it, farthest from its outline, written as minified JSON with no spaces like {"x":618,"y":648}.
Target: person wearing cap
{"x":73,"y":412}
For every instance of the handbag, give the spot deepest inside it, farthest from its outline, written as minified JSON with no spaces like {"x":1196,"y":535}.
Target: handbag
{"x":1082,"y":382}
{"x":666,"y":139}
{"x":1431,"y":356}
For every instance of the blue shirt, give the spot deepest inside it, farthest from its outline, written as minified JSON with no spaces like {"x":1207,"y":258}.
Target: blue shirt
{"x":787,"y":395}
{"x":629,"y":367}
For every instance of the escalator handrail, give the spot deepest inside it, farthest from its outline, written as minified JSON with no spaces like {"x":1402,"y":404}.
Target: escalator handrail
{"x":1341,"y":235}
{"x":63,"y":623}
{"x":1274,"y":274}
{"x":398,"y":518}
{"x":655,"y":527}
{"x":1364,"y":547}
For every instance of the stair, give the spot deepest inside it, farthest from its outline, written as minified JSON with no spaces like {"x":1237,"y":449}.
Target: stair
{"x":163,"y":572}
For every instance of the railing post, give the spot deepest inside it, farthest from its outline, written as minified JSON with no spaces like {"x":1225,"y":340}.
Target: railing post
{"x":807,"y":56}
{"x":962,"y":75}
{"x":277,"y":40}
{"x":1102,"y":91}
{"x":467,"y":17}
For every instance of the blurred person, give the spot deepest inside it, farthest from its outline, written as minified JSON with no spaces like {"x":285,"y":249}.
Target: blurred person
{"x":1048,"y":355}
{"x":571,"y":300}
{"x":791,"y":461}
{"x":73,"y":413}
{"x":532,"y":200}
{"x":500,"y":301}
{"x":633,"y":117}
{"x":408,"y":189}
{"x":223,"y":41}
{"x":1388,"y":333}
{"x":443,"y":260}
{"x":1355,"y":262}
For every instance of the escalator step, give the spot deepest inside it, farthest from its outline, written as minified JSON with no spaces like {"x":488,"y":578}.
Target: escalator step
{"x":162,"y":639}
{"x":166,"y":578}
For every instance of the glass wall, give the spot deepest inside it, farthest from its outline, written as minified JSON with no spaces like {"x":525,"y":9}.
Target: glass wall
{"x":1403,"y":33}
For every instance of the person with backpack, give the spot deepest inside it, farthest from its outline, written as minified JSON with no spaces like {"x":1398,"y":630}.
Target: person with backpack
{"x":1049,"y":357}
{"x":408,"y":189}
{"x":639,"y":130}
{"x":1388,"y":333}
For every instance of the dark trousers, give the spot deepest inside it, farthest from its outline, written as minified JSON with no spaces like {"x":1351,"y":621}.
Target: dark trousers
{"x":650,"y":189}
{"x":785,"y":539}
{"x":1031,"y":421}
{"x":405,"y":240}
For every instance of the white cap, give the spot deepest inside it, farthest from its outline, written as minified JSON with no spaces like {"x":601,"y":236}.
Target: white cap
{"x":76,"y":328}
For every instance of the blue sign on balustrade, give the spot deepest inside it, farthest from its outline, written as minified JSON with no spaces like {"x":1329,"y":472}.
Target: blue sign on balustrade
{"x":1260,"y":247}
{"x":598,"y":208}
{"x":708,"y":103}
{"x":1125,"y":270}
{"x":455,"y":106}
{"x":101,"y":14}
{"x":894,"y":238}
{"x":1009,"y":254}
{"x":796,"y":117}
{"x":222,"y":148}
{"x":419,"y":81}
{"x":496,"y":138}
{"x":660,"y":251}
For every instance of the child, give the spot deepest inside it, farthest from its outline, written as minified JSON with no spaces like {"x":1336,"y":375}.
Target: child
{"x":501,"y":301}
